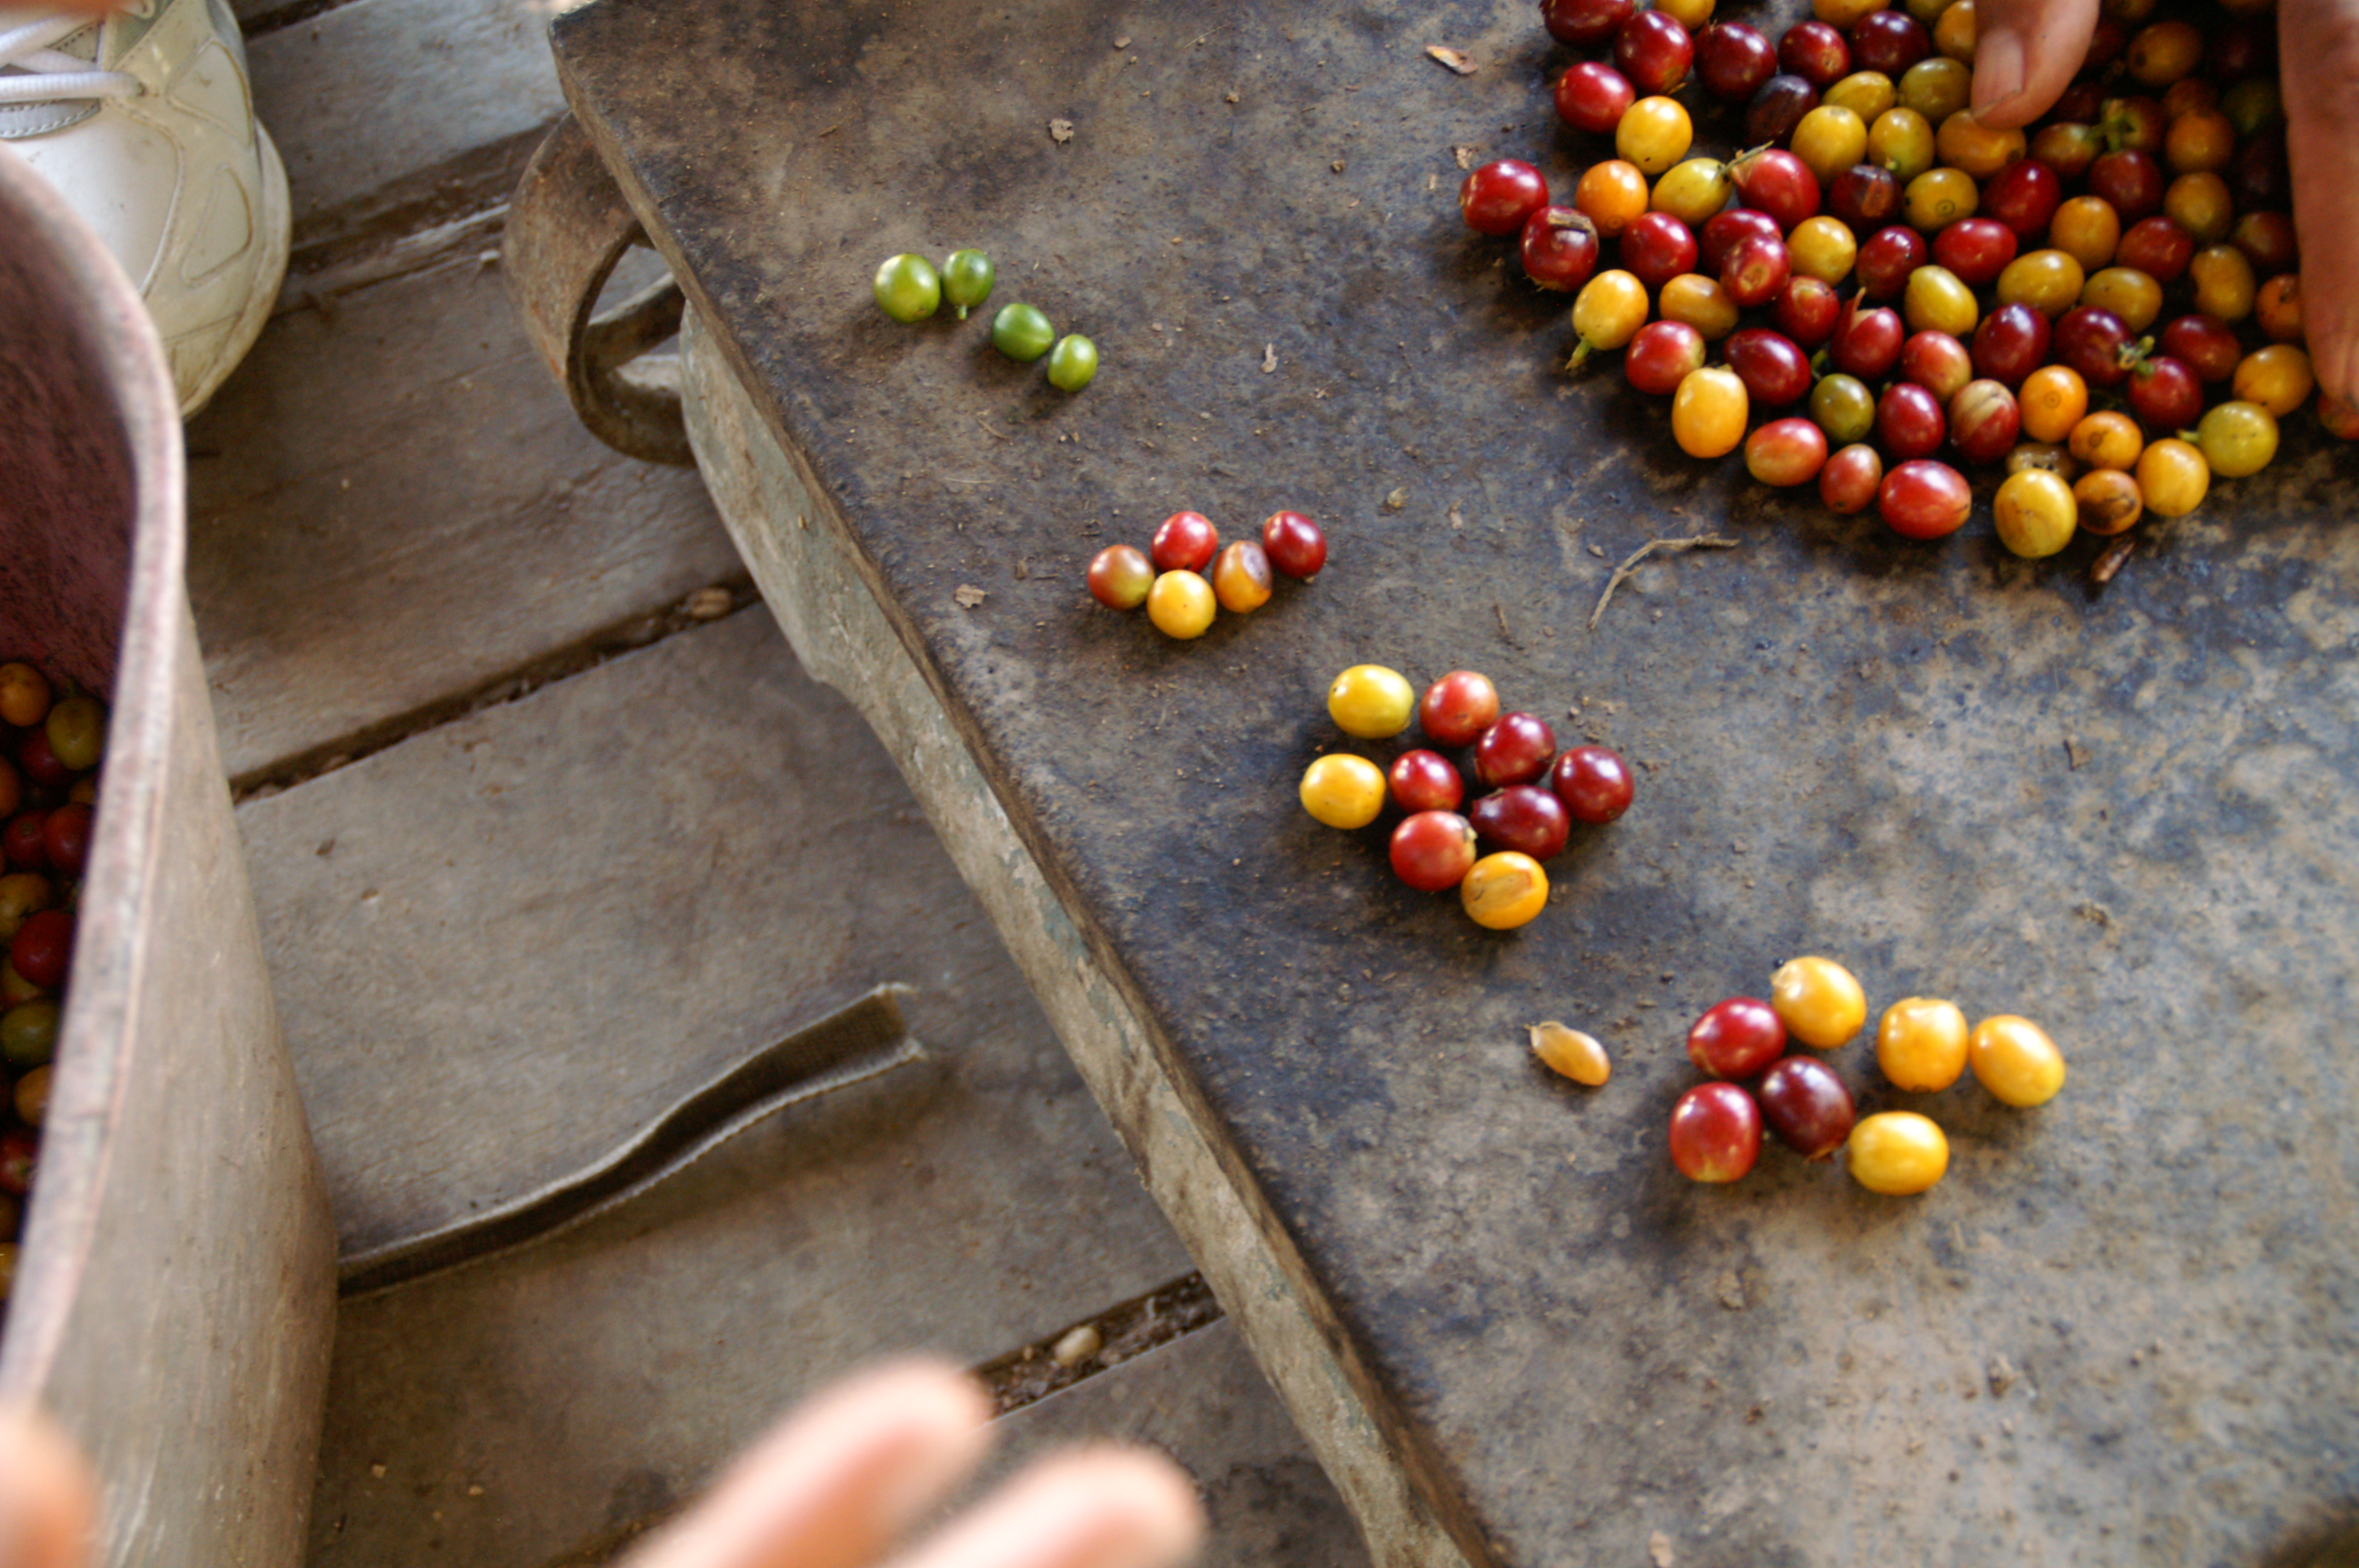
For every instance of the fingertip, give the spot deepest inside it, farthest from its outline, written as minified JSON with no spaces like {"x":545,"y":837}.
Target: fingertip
{"x":929,"y":1388}
{"x":913,"y":1393}
{"x":1998,"y":78}
{"x":2330,"y":363}
{"x":2317,"y":41}
{"x":1090,"y":1508}
{"x":1153,"y":1500}
{"x":930,"y":1418}
{"x":836,"y":1481}
{"x":47,"y":1506}
{"x":2025,"y":53}
{"x":2339,"y":416}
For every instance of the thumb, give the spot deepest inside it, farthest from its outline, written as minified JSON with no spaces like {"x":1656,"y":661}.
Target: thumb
{"x":2318,"y":41}
{"x":44,"y":1496}
{"x":2025,"y":53}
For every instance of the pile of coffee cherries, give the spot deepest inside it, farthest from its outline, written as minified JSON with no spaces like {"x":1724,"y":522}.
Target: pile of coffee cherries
{"x":1535,"y":793}
{"x":49,"y":750}
{"x":1185,"y":578}
{"x":1922,"y":1045}
{"x":1901,"y":289}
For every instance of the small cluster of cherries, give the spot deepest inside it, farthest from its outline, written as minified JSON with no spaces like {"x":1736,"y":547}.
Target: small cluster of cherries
{"x":49,"y":750}
{"x":1744,"y":1045}
{"x":1535,"y":795}
{"x":2002,"y":290}
{"x":1170,"y":579}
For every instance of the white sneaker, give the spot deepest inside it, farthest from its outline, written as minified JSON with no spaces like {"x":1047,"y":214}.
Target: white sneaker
{"x":143,"y":120}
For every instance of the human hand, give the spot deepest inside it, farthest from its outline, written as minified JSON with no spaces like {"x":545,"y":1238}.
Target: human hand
{"x":46,"y":1508}
{"x":834,"y":1483}
{"x":2028,"y":52}
{"x":833,"y":1486}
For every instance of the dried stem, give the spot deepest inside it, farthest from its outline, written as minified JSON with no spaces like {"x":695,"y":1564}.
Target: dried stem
{"x":1653,"y":547}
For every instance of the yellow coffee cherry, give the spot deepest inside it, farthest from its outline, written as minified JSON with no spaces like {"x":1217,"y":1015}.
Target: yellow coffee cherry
{"x":1937,"y":88}
{"x":2278,"y":378}
{"x":1708,"y":412}
{"x":1819,"y":1000}
{"x":1964,"y":142}
{"x":1504,"y":891}
{"x":1921,"y":1043}
{"x":1901,"y":140}
{"x":1654,"y":133}
{"x":1954,"y":35}
{"x":1897,"y":1152}
{"x":1866,"y":93}
{"x":1936,"y":299}
{"x":1823,"y":248}
{"x":1830,"y":139}
{"x":1701,"y":303}
{"x":1181,"y":604}
{"x":2172,"y":476}
{"x":2237,"y":438}
{"x":1371,"y":702}
{"x":1939,"y":198}
{"x":2014,"y":1059}
{"x":2035,"y":514}
{"x":1694,"y":190}
{"x":2224,"y":283}
{"x":1343,"y":791}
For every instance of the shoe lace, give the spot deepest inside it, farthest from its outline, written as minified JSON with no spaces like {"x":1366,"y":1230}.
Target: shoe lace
{"x":33,"y":70}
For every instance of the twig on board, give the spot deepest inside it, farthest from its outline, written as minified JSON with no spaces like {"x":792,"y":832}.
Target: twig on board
{"x":1628,"y":568}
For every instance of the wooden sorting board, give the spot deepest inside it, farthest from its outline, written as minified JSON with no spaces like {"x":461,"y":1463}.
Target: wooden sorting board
{"x":2120,"y":1330}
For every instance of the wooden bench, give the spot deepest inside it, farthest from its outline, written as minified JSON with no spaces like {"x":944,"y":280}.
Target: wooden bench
{"x":2119,"y":1331}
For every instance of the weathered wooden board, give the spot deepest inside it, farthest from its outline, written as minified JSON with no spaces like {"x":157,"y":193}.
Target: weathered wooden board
{"x":498,"y":943}
{"x":394,"y":504}
{"x":502,"y":944}
{"x":1849,"y":743}
{"x":538,"y":1404}
{"x":810,"y":581}
{"x":367,"y":94}
{"x":1202,"y":1400}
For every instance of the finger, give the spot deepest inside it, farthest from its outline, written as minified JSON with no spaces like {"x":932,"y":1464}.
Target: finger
{"x":834,"y":1483}
{"x":2319,"y":43}
{"x":1106,"y":1507}
{"x":2025,"y":53}
{"x":46,"y":1504}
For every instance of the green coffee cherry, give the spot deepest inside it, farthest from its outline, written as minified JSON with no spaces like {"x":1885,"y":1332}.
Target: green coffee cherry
{"x":1022,"y":332}
{"x":966,"y":279}
{"x":909,"y":288}
{"x":1072,"y":362}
